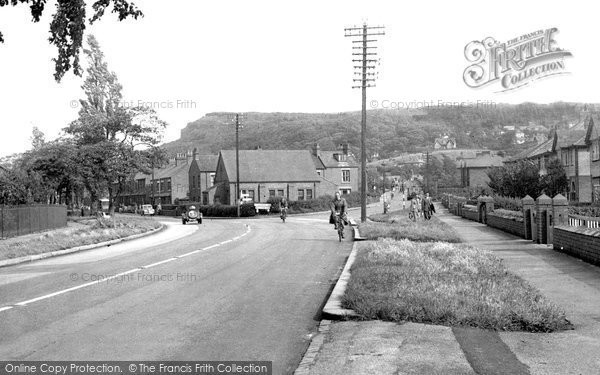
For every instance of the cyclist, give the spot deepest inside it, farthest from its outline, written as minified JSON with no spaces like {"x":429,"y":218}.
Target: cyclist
{"x":283,"y":206}
{"x":338,"y":206}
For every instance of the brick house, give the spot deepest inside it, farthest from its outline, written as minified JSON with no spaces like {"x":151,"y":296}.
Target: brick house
{"x":592,"y":140}
{"x":170,"y":182}
{"x":473,"y":171}
{"x":265,"y":174}
{"x":575,"y":158}
{"x":202,"y":173}
{"x":339,"y":170}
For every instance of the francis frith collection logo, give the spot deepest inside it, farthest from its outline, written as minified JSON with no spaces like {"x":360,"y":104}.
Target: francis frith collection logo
{"x":514,"y":63}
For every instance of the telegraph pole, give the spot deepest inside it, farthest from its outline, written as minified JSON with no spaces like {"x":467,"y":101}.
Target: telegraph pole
{"x":367,"y":79}
{"x":237,"y":162}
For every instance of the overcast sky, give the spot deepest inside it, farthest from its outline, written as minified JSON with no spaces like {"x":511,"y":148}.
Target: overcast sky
{"x":193,"y":57}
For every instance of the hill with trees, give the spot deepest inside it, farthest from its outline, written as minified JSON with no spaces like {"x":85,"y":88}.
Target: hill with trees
{"x":390,"y":132}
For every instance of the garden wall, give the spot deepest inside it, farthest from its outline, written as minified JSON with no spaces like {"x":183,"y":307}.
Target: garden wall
{"x":580,"y":242}
{"x":508,"y":225}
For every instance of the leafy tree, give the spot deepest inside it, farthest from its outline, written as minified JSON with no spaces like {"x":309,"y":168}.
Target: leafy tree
{"x":68,"y":24}
{"x":37,"y":138}
{"x":55,"y":166}
{"x":555,"y":180}
{"x":106,"y":132}
{"x":516,"y":179}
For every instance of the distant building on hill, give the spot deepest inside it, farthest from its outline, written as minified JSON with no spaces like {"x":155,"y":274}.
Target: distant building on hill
{"x":444,"y":142}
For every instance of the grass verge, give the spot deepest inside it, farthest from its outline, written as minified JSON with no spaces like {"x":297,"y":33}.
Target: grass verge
{"x":80,"y":232}
{"x":447,"y":284}
{"x":396,"y":225}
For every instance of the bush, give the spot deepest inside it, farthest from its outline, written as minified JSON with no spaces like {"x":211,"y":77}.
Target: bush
{"x":507,"y":203}
{"x":508,"y":214}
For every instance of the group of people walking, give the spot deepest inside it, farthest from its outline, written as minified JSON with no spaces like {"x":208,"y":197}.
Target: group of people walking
{"x":422,"y":206}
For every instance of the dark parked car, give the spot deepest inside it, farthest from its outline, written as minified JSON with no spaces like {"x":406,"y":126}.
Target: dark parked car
{"x":191,"y":213}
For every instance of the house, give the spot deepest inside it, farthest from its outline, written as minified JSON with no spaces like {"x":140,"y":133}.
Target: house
{"x":163,"y":185}
{"x":202,"y":173}
{"x":575,"y":158}
{"x":473,"y":171}
{"x":592,"y":140}
{"x":540,"y":154}
{"x":339,"y":169}
{"x":444,"y":142}
{"x":577,"y":149}
{"x":264,"y":174}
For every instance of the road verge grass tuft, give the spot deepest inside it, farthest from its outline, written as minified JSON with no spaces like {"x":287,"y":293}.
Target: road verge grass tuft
{"x":398,"y":226}
{"x":447,"y":284}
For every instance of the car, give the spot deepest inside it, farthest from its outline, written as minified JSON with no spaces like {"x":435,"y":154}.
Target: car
{"x":147,"y":209}
{"x":191,"y":213}
{"x":245,"y":198}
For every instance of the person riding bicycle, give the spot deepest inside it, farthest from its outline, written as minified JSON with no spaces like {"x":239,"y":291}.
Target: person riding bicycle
{"x":283,"y":206}
{"x":338,"y":206}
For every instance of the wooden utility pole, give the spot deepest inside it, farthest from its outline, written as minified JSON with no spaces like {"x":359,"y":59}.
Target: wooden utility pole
{"x":237,"y":162}
{"x":367,"y":79}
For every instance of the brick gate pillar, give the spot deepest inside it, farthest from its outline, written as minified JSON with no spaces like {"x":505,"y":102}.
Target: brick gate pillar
{"x":543,"y":206}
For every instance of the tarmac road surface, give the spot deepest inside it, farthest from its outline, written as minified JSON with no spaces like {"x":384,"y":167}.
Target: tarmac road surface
{"x":224,"y":290}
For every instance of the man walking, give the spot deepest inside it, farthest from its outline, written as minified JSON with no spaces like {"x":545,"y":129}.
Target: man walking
{"x":426,"y":207}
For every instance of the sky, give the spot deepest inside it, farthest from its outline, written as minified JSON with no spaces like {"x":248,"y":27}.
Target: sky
{"x":189,"y":58}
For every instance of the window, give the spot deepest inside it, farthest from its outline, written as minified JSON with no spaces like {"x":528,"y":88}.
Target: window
{"x":309,"y":194}
{"x":166,"y":185}
{"x":300,"y":194}
{"x":251,"y":194}
{"x":345,"y":191}
{"x":345,"y":175}
{"x":573,"y":155}
{"x":595,"y":150}
{"x":319,"y":172}
{"x":205,"y":198}
{"x":271,"y":192}
{"x":280,"y":192}
{"x":141,"y":183}
{"x":212,"y":179}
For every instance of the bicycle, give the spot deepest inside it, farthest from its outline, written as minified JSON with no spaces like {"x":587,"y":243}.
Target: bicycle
{"x":340,"y":226}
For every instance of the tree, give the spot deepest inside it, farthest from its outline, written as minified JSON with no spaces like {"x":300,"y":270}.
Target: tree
{"x":555,"y":180}
{"x":515,"y":179}
{"x":68,"y":24}
{"x":38,"y":138}
{"x":106,"y":132}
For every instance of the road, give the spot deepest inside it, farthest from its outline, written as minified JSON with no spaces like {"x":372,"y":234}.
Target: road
{"x":242,"y":289}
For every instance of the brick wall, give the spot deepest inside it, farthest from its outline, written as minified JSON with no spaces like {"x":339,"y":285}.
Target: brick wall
{"x":580,"y":242}
{"x":470,"y":215}
{"x":507,"y":225}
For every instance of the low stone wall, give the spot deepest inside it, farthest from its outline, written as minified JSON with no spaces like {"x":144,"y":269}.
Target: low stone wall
{"x":580,"y":242}
{"x":470,"y":215}
{"x":508,"y":225}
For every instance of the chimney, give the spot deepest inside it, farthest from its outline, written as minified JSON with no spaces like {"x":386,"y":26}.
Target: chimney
{"x":316,"y":149}
{"x":195,"y":154}
{"x":345,"y":148}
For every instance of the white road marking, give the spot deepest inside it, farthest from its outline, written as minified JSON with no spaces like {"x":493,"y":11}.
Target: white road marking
{"x":24,"y":303}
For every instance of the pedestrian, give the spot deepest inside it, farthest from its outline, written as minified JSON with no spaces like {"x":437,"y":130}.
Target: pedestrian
{"x":426,"y":207}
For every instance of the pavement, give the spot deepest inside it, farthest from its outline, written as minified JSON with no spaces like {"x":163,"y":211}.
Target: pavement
{"x":350,"y":346}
